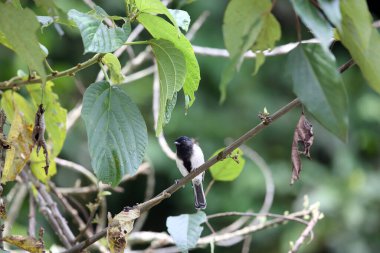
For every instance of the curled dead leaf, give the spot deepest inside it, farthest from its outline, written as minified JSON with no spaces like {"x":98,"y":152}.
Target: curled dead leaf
{"x":303,"y":136}
{"x":27,"y":243}
{"x":38,"y":135}
{"x":119,"y":228}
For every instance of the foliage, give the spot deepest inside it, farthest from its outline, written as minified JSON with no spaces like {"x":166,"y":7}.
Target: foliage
{"x":118,"y":119}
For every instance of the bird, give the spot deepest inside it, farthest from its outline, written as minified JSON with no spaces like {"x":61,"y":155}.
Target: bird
{"x":189,"y":157}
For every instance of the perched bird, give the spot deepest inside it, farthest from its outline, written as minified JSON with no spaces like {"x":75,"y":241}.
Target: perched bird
{"x":190,"y":157}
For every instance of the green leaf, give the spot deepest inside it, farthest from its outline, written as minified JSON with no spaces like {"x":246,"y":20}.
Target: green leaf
{"x":241,"y":28}
{"x":185,"y":229}
{"x":96,"y":36}
{"x":182,"y":18}
{"x":361,"y":40}
{"x":230,"y":168}
{"x":21,"y":32}
{"x":4,"y":41}
{"x":155,"y":7}
{"x":114,"y":67}
{"x":318,"y":25}
{"x":160,"y":29}
{"x":332,"y":10}
{"x":117,"y":134}
{"x":269,"y":34}
{"x":37,"y":164}
{"x":55,"y":116}
{"x":172,"y":71}
{"x":319,"y":86}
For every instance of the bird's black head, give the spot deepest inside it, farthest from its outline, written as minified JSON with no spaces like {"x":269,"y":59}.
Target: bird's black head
{"x":184,"y":147}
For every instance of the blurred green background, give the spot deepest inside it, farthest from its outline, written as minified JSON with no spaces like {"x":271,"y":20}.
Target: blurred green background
{"x":343,"y":177}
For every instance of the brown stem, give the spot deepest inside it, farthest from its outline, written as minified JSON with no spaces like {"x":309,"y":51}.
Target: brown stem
{"x":12,"y":83}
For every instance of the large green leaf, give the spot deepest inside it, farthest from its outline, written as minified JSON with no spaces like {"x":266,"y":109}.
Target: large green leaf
{"x":117,"y":134}
{"x":55,"y":115}
{"x":96,"y":36}
{"x":228,"y":169}
{"x":185,"y":229}
{"x":19,"y":28}
{"x":172,"y":71}
{"x":243,"y":21}
{"x":314,"y":20}
{"x":155,"y":7}
{"x":160,"y":29}
{"x":319,"y":86}
{"x":269,"y":34}
{"x":361,"y":39}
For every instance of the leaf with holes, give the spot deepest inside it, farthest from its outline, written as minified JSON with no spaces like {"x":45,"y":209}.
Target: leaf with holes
{"x":186,"y":229}
{"x":269,"y":34}
{"x":160,"y":29}
{"x":320,"y":87}
{"x":229,"y":168}
{"x":241,"y":28}
{"x":116,"y":130}
{"x":96,"y":36}
{"x":172,"y":71}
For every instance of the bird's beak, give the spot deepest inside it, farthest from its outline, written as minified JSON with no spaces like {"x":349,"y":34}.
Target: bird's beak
{"x":176,"y":143}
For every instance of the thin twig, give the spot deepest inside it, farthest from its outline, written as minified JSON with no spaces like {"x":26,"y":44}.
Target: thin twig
{"x":15,"y":207}
{"x":280,"y":50}
{"x":32,"y":216}
{"x":138,"y":75}
{"x":78,"y":168}
{"x":197,"y":25}
{"x":308,"y":230}
{"x":68,"y":207}
{"x":149,"y":193}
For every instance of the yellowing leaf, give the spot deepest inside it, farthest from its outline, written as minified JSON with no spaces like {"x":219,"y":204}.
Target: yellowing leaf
{"x":118,"y":229}
{"x":230,"y":168}
{"x":114,"y":67}
{"x":26,"y":243}
{"x":21,"y":145}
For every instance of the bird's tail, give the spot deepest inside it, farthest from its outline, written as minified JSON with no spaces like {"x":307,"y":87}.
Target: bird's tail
{"x":200,"y":199}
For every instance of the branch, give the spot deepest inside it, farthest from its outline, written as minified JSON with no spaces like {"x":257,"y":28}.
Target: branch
{"x":32,"y":216}
{"x":280,"y":50}
{"x":175,"y":187}
{"x":223,"y":154}
{"x":17,"y":82}
{"x":308,"y":230}
{"x":163,"y":238}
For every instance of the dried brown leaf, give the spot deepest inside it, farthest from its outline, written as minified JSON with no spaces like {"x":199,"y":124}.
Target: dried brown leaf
{"x":303,"y":135}
{"x":38,"y":135}
{"x":118,"y":229}
{"x":27,"y":243}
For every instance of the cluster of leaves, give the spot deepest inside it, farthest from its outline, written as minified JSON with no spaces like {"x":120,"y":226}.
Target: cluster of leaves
{"x":316,"y":81}
{"x":116,"y":129}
